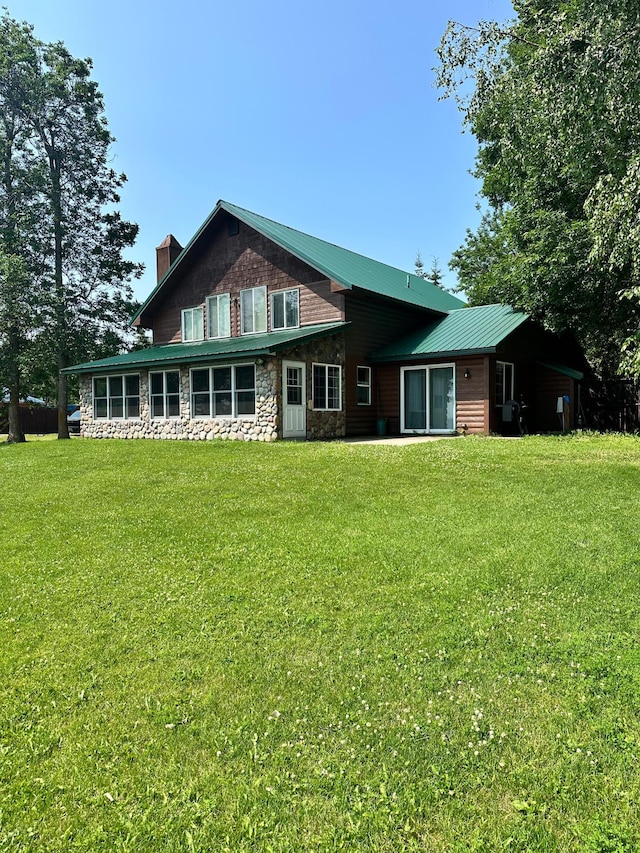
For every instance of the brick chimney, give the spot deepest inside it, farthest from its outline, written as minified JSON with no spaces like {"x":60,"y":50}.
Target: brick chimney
{"x":166,"y":253}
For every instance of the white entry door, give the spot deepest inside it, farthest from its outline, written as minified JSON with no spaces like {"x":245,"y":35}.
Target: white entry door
{"x":294,"y":403}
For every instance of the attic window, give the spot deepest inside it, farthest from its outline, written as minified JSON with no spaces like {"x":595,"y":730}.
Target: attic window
{"x":234,"y":227}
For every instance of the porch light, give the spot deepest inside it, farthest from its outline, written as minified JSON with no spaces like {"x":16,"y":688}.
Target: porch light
{"x":467,"y":373}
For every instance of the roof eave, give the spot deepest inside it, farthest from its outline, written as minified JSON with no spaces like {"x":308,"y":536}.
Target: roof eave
{"x":439,"y":312}
{"x":330,"y":273}
{"x":174,"y":266}
{"x":421,"y":356}
{"x":172,"y":361}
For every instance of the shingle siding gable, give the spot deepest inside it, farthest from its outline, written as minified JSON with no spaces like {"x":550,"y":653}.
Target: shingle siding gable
{"x":226,"y":263}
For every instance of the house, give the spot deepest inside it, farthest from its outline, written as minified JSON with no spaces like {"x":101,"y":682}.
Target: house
{"x":261,"y":332}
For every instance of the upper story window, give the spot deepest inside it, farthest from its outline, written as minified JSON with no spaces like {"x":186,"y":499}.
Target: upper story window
{"x":116,"y":396}
{"x":504,"y":382}
{"x":219,"y":316}
{"x":253,"y":310}
{"x":165,"y":394}
{"x":192,"y":324}
{"x":285,"y":309}
{"x":327,"y":387}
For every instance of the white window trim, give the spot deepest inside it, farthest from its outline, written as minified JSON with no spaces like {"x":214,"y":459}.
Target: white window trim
{"x":253,"y":290}
{"x":216,"y":298}
{"x":508,"y":396}
{"x":325,"y":365}
{"x":191,"y":311}
{"x":427,"y":431}
{"x":164,"y":416}
{"x":108,"y":398}
{"x":366,"y":385}
{"x":234,"y":416}
{"x":283,"y":293}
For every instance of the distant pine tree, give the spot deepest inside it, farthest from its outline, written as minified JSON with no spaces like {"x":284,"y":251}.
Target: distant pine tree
{"x":434,"y":275}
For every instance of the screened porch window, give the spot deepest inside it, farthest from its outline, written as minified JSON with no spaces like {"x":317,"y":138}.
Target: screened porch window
{"x":165,"y":394}
{"x":223,"y":392}
{"x":116,"y":397}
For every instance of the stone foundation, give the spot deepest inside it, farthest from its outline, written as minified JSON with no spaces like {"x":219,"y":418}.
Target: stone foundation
{"x":263,"y":426}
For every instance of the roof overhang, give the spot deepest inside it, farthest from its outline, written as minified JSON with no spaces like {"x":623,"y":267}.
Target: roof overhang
{"x":202,"y":352}
{"x":415,"y":357}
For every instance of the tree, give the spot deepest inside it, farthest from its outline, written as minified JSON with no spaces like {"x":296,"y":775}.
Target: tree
{"x":553,"y":98}
{"x":22,"y":209}
{"x":435,"y":273}
{"x":75,"y":251}
{"x":14,"y":314}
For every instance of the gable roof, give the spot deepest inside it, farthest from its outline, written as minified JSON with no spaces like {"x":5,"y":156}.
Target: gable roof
{"x":340,"y":265}
{"x":220,"y":349}
{"x":465,"y":332}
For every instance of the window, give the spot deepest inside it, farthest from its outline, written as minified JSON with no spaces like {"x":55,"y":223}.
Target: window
{"x":116,"y":396}
{"x":218,"y":316}
{"x":285,"y":312}
{"x":363,"y":386}
{"x":327,"y":391}
{"x":253,"y":310}
{"x":192,"y":324}
{"x":223,"y":392}
{"x":504,"y":382}
{"x":165,"y":394}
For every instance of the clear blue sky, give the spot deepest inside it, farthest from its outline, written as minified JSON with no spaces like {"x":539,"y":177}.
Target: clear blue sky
{"x":320,"y":115}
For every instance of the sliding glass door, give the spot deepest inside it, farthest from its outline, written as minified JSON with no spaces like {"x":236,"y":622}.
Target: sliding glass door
{"x":428,"y":402}
{"x":414,"y":407}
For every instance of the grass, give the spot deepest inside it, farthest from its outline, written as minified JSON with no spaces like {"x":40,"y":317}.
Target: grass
{"x":319,"y":647}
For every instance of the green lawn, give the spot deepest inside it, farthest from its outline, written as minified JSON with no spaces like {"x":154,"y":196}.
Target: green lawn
{"x":320,"y":647}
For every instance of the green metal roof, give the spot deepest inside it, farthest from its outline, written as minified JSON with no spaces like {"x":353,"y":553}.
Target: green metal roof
{"x":467,"y":331}
{"x":340,"y":265}
{"x":246,"y":346}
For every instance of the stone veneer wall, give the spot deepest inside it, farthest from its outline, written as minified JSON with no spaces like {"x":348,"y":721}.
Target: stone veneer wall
{"x":265,"y":425}
{"x":320,"y":425}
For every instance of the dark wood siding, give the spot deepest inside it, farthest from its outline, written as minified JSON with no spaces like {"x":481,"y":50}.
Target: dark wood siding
{"x":388,"y":391}
{"x":230,"y":263}
{"x":472,"y":410}
{"x":374,"y":323}
{"x":550,"y":386}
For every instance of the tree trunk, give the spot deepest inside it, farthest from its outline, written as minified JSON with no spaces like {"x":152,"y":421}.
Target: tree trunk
{"x":15,"y":427}
{"x":15,"y":434}
{"x":63,"y":424}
